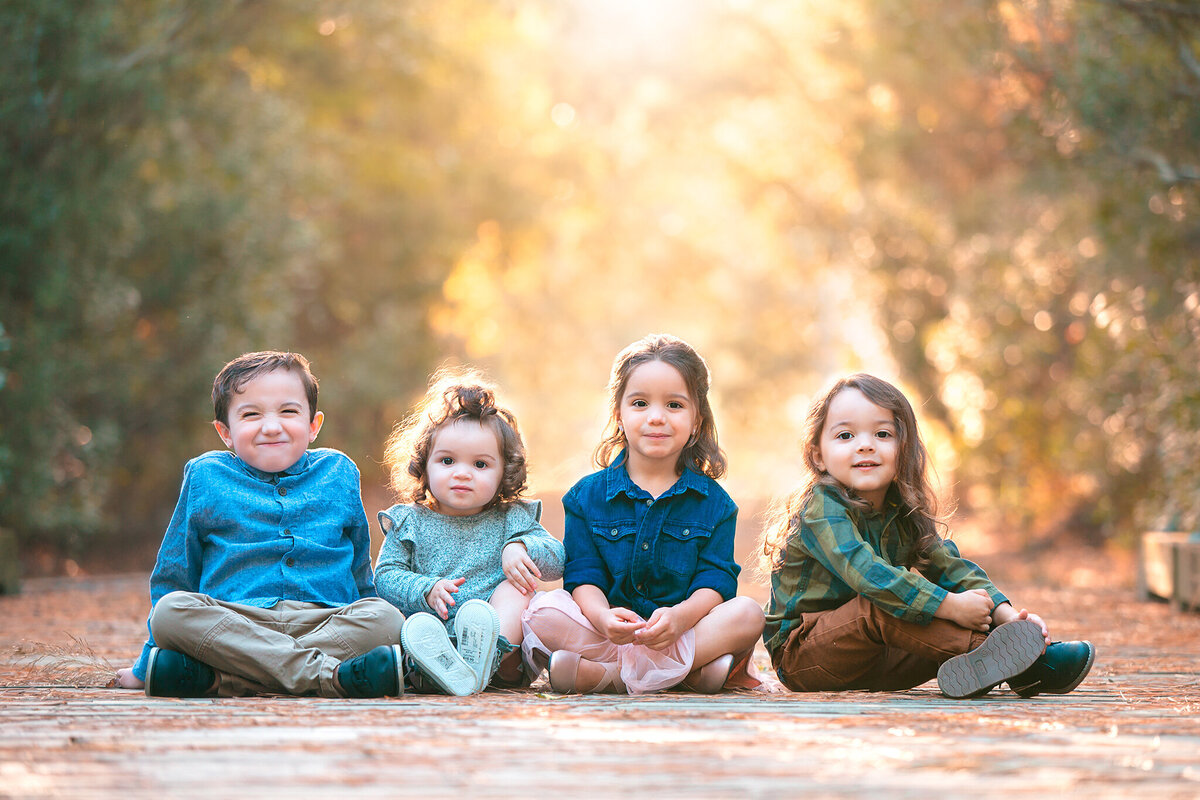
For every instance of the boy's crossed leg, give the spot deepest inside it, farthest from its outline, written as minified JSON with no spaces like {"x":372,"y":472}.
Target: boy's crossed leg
{"x":292,"y":648}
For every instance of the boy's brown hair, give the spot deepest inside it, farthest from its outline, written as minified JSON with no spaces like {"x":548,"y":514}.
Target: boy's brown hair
{"x":234,"y":375}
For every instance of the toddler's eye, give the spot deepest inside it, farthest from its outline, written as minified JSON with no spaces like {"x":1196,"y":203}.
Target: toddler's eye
{"x":446,"y":460}
{"x":639,"y":404}
{"x":291,"y":412}
{"x":481,"y":465}
{"x":845,"y":435}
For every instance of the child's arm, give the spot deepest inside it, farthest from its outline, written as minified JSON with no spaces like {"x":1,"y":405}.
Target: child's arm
{"x":586,"y":577}
{"x":396,"y":578}
{"x":530,"y":553}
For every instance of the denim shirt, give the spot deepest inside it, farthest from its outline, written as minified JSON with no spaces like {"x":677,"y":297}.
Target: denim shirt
{"x":246,"y":536}
{"x":642,"y":552}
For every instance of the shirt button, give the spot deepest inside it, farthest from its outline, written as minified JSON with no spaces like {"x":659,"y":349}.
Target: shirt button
{"x":291,"y":562}
{"x":614,"y":531}
{"x":686,"y":531}
{"x":649,"y":502}
{"x":645,"y":545}
{"x":283,"y":491}
{"x":287,"y":531}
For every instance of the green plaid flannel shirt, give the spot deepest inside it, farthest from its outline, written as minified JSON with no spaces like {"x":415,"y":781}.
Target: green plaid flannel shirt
{"x":839,"y":552}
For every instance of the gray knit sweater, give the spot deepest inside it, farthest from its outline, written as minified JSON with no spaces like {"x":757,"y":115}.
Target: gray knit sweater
{"x":421,"y":547}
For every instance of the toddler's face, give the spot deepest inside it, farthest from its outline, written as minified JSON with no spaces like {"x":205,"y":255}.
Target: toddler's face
{"x":657,"y":414}
{"x":269,"y":426}
{"x":464,"y":467}
{"x":859,"y":446}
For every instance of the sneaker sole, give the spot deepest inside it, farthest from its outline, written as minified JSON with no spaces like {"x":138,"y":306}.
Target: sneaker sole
{"x":476,"y":627}
{"x":151,"y":664}
{"x":1007,"y":652}
{"x":424,"y":639}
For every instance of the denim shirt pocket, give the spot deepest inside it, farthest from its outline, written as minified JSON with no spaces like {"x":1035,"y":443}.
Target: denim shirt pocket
{"x":680,"y":546}
{"x":614,"y":543}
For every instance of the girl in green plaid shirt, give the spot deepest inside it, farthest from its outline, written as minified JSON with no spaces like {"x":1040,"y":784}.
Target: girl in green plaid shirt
{"x":865,"y":594}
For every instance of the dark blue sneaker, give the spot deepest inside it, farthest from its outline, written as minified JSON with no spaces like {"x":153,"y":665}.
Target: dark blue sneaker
{"x":172,"y":674}
{"x":377,"y":673}
{"x":1061,"y":668}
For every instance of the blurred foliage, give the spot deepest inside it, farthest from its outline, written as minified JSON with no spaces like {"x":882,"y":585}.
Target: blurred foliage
{"x":994,"y":202}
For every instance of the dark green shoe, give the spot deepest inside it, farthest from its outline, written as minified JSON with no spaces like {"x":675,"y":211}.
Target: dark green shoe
{"x":172,"y":674}
{"x":1061,"y":668}
{"x":377,"y":673}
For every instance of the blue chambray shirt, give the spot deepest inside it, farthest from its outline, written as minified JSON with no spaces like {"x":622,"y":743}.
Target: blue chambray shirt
{"x":643,"y":552}
{"x":246,"y":536}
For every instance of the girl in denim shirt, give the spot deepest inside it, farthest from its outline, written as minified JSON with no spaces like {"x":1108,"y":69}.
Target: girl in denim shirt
{"x":649,"y":599}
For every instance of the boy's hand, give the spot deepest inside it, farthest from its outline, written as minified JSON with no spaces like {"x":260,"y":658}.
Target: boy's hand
{"x":441,"y":596}
{"x":127,"y":680}
{"x":619,"y":625}
{"x":519,"y":567}
{"x":1006,"y":613}
{"x":970,"y":609}
{"x":662,"y":630}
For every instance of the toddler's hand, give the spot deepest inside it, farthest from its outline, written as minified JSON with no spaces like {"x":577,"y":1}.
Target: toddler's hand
{"x":662,"y":630}
{"x":127,"y":680}
{"x":519,"y":567}
{"x":620,"y":624}
{"x":970,"y":609}
{"x":441,"y":596}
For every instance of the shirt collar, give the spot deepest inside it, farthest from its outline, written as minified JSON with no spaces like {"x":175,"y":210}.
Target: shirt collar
{"x":270,"y":477}
{"x":619,"y":482}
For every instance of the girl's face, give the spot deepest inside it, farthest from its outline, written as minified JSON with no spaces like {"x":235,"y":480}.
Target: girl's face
{"x":657,"y":414}
{"x":464,"y":467}
{"x":859,"y":446}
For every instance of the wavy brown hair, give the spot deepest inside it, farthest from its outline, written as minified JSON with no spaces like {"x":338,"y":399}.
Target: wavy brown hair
{"x":920,"y":518}
{"x":238,"y":372}
{"x":702,"y":452}
{"x":453,"y":395}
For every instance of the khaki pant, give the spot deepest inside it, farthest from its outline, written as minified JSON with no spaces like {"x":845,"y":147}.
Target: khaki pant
{"x":860,"y":646}
{"x":291,"y":648}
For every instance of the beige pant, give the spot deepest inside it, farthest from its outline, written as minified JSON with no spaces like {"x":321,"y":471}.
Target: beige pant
{"x":291,"y":648}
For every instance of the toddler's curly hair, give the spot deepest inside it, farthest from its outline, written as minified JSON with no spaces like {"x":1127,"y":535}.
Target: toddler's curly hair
{"x":453,"y":395}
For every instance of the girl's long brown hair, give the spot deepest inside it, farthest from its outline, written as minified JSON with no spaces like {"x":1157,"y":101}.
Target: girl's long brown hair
{"x":701,"y":453}
{"x":920,"y":518}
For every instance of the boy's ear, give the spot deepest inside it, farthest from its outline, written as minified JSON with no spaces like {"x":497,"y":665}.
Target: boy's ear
{"x":223,"y":432}
{"x":314,"y":427}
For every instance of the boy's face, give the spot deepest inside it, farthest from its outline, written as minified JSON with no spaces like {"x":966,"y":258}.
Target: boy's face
{"x":269,"y":426}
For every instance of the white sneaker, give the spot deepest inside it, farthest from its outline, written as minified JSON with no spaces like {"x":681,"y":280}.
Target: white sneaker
{"x":476,"y":627}
{"x":425,"y":641}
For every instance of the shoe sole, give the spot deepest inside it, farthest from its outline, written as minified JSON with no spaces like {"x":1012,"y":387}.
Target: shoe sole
{"x":1007,"y":652}
{"x":476,"y":628}
{"x":424,"y":639}
{"x":1033,"y":691}
{"x":151,"y":664}
{"x":398,"y":654}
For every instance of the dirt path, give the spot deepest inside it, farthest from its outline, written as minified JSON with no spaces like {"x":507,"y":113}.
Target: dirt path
{"x":1133,"y":728}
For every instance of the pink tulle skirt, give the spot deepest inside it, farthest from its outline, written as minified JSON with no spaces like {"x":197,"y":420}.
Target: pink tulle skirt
{"x":553,"y":621}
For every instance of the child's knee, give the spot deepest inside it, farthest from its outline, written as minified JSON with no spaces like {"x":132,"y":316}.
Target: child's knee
{"x":380,"y":614}
{"x":167,"y":614}
{"x":747,"y":614}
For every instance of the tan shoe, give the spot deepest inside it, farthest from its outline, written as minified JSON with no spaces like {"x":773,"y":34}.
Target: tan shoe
{"x":710,"y":678}
{"x":564,"y":675}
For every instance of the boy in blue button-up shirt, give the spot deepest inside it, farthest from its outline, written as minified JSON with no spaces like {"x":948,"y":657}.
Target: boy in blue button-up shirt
{"x":263,"y":581}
